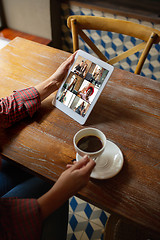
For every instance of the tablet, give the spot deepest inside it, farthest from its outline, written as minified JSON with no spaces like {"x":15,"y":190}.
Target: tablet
{"x":82,"y":87}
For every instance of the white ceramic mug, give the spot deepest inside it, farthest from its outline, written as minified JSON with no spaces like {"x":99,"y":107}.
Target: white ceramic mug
{"x":87,"y":132}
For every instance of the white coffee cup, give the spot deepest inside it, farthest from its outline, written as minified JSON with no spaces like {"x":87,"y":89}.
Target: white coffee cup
{"x":89,"y":132}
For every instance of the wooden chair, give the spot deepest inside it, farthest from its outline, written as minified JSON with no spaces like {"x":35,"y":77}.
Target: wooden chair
{"x":121,"y":229}
{"x":149,"y":35}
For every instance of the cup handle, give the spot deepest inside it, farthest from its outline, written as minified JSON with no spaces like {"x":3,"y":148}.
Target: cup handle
{"x":94,"y":159}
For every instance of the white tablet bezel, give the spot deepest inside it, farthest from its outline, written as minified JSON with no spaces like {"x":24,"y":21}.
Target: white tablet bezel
{"x":77,"y":117}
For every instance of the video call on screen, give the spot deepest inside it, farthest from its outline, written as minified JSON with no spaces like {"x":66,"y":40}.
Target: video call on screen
{"x":82,"y":85}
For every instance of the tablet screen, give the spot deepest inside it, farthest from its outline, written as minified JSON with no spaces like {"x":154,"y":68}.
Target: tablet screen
{"x":82,"y":85}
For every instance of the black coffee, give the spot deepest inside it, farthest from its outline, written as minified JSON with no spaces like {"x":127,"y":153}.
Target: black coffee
{"x":90,"y":144}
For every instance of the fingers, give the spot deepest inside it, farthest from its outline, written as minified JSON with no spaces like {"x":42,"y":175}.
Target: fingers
{"x":74,"y":54}
{"x":70,"y":60}
{"x":61,"y":72}
{"x":64,"y":67}
{"x":71,"y":164}
{"x":89,"y":167}
{"x":85,"y":165}
{"x":78,"y":164}
{"x":81,"y":163}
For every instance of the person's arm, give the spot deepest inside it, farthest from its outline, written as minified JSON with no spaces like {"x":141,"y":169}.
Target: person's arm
{"x":68,"y":184}
{"x":27,"y":101}
{"x":20,"y":219}
{"x":53,"y":82}
{"x":23,"y":218}
{"x":19,"y":105}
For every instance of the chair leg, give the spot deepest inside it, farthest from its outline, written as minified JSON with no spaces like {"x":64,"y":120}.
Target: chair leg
{"x":145,"y":52}
{"x":122,"y":229}
{"x":74,"y":35}
{"x":110,"y":227}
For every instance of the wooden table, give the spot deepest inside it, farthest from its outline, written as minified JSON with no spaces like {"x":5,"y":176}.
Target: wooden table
{"x":128,"y":112}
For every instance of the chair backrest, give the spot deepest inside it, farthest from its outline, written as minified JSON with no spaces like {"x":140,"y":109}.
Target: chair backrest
{"x":149,"y":35}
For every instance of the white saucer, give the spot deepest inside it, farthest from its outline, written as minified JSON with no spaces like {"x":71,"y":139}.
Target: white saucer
{"x":109,"y":163}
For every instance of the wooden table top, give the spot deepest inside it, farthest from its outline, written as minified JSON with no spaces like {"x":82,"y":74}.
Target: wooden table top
{"x":128,"y":112}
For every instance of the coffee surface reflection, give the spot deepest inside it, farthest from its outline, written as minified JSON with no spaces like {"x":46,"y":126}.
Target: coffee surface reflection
{"x":90,"y":144}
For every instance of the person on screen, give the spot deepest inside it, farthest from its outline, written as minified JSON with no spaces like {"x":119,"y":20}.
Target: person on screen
{"x":85,"y":95}
{"x":62,"y":98}
{"x":83,"y":69}
{"x":31,"y":208}
{"x":79,"y":66}
{"x":95,"y":76}
{"x":72,"y":85}
{"x":80,"y":109}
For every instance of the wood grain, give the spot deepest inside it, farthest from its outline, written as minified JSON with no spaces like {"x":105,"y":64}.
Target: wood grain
{"x":127,"y":112}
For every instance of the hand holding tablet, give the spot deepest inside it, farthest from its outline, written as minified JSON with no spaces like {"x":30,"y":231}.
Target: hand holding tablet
{"x":82,"y":87}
